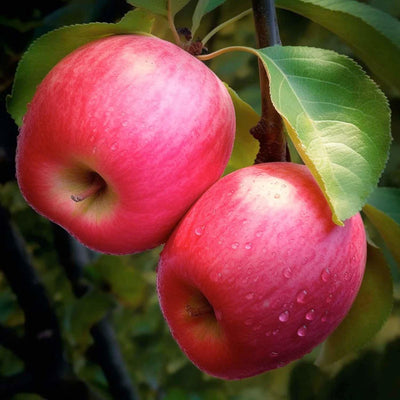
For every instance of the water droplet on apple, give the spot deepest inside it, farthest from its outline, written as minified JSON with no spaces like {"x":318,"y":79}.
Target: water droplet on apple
{"x":329,"y":298}
{"x":235,"y":245}
{"x":287,"y":272}
{"x":199,"y":230}
{"x":302,"y":331}
{"x":249,"y":296}
{"x":283,"y":317}
{"x":275,"y":332}
{"x":302,"y":296}
{"x":325,"y":275}
{"x":215,"y":276}
{"x":324,"y":316}
{"x":268,"y":333}
{"x":274,"y":354}
{"x":310,"y":315}
{"x":247,"y":246}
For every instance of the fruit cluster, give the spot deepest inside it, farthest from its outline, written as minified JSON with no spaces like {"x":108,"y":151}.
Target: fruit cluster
{"x":123,"y":145}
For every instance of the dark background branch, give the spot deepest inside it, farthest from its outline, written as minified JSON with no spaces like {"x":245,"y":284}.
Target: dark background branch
{"x":46,"y":370}
{"x":10,"y":340}
{"x":269,"y":130}
{"x":105,"y":350}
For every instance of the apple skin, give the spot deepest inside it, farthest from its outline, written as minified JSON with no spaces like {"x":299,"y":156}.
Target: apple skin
{"x":257,"y":274}
{"x":151,"y":120}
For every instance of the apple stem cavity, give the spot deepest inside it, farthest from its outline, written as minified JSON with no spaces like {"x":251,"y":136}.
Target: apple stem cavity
{"x":199,"y":311}
{"x":96,"y":185}
{"x":199,"y":306}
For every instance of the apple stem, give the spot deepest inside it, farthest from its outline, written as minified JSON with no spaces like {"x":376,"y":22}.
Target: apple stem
{"x":269,"y":130}
{"x":95,"y":186}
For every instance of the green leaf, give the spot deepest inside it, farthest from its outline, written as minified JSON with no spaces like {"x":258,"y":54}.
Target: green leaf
{"x":368,"y":313}
{"x":373,"y":35}
{"x":202,"y":8}
{"x":336,"y":117}
{"x":118,"y":274}
{"x":160,"y":6}
{"x":177,"y":5}
{"x":154,"y":6}
{"x":88,"y":310}
{"x":44,"y":53}
{"x":383,"y":211}
{"x":245,"y":147}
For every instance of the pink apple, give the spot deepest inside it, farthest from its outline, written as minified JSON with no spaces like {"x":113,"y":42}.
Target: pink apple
{"x":257,"y":274}
{"x":132,"y":128}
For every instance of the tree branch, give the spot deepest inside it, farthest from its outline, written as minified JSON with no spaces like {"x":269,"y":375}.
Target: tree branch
{"x":269,"y":130}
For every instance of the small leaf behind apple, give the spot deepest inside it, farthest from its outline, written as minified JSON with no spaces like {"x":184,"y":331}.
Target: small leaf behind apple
{"x":202,"y":8}
{"x":245,"y":147}
{"x":160,"y":7}
{"x":369,"y":312}
{"x":383,"y":211}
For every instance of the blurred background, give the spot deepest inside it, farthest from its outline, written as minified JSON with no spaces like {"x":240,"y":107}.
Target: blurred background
{"x":88,"y":291}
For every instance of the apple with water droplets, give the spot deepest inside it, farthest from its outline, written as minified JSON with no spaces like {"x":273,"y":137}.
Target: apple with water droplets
{"x":256,"y":274}
{"x":121,"y":137}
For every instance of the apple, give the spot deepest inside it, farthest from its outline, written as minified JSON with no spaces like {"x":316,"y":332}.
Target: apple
{"x":256,"y":274}
{"x":121,"y":137}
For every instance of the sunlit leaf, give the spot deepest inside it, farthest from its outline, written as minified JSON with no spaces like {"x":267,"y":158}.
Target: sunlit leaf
{"x":373,"y":35}
{"x":119,"y":276}
{"x":370,"y":310}
{"x":88,"y":310}
{"x":337,"y":118}
{"x":44,"y":53}
{"x":383,"y":211}
{"x":245,"y":147}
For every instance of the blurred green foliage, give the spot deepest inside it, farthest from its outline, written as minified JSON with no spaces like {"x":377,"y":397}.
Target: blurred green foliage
{"x":124,"y":287}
